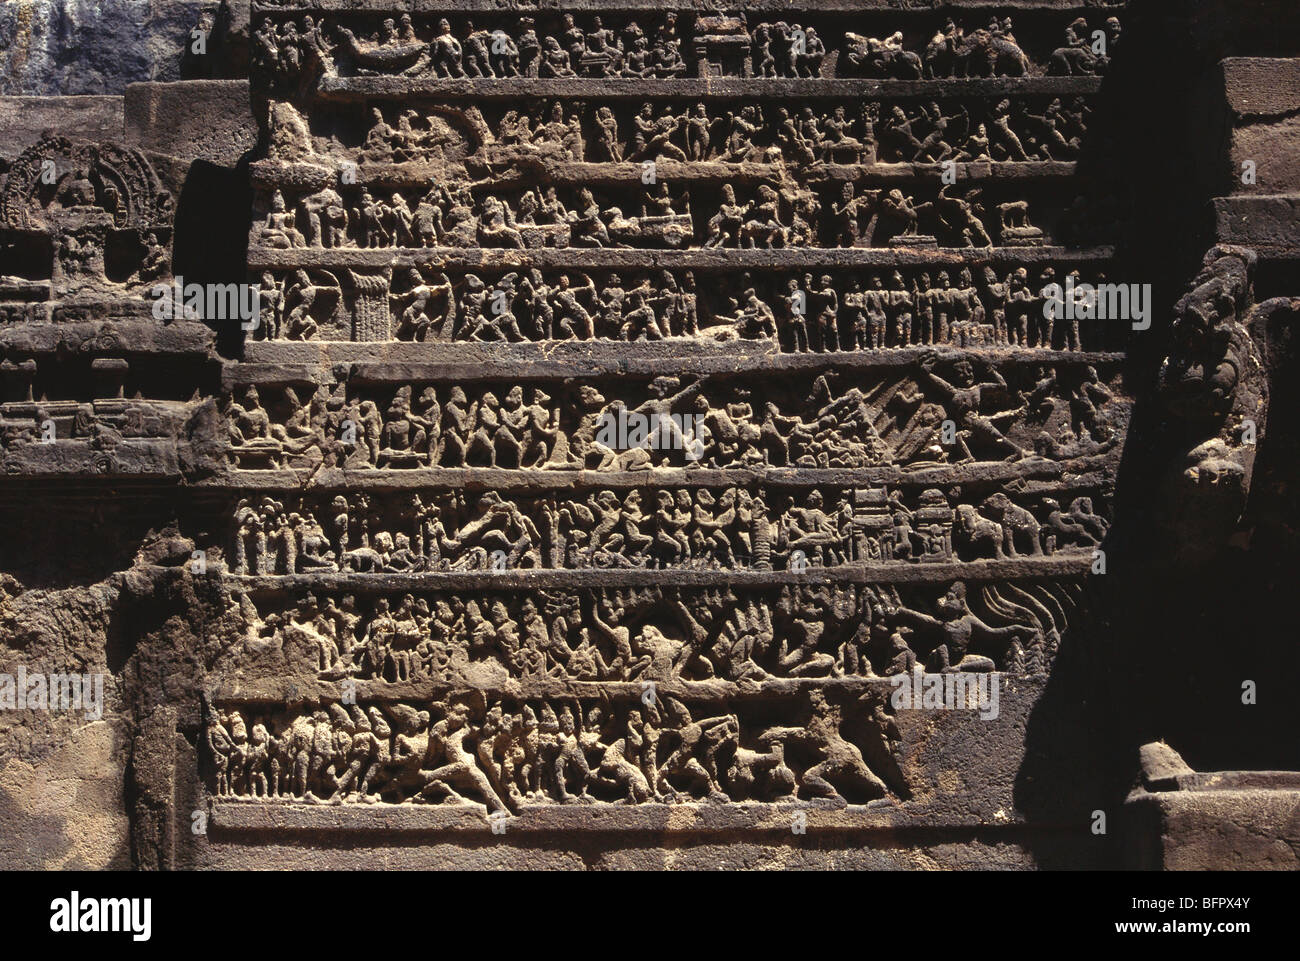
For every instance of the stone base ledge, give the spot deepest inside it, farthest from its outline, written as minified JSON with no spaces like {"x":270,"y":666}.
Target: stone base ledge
{"x":647,"y":259}
{"x":1269,"y":225}
{"x":707,"y":88}
{"x":24,"y":120}
{"x":240,"y":692}
{"x":268,"y":174}
{"x":280,"y":817}
{"x":1076,"y":564}
{"x":1042,"y":475}
{"x":387,"y":362}
{"x":1180,"y":819}
{"x":82,"y":459}
{"x":896,"y":7}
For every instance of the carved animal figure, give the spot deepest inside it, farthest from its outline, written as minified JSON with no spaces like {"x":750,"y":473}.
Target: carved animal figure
{"x":981,"y":535}
{"x":870,"y":57}
{"x":1019,"y":528}
{"x":981,"y":53}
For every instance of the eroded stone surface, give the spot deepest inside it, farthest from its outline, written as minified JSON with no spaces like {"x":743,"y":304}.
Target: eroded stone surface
{"x":597,"y":426}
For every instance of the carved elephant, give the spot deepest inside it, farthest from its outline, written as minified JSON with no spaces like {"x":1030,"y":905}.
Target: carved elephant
{"x":1020,"y":530}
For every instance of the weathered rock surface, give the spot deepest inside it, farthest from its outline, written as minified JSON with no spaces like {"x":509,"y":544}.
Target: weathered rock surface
{"x":97,"y":47}
{"x":499,"y":441}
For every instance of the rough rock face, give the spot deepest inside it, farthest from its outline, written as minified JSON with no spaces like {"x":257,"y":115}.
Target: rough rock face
{"x":82,"y":47}
{"x":653,"y":437}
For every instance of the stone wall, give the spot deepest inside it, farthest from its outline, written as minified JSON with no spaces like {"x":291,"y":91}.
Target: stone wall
{"x":462,"y":436}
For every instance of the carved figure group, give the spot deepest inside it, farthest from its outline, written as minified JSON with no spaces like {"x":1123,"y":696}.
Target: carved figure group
{"x":509,"y":755}
{"x":705,"y":45}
